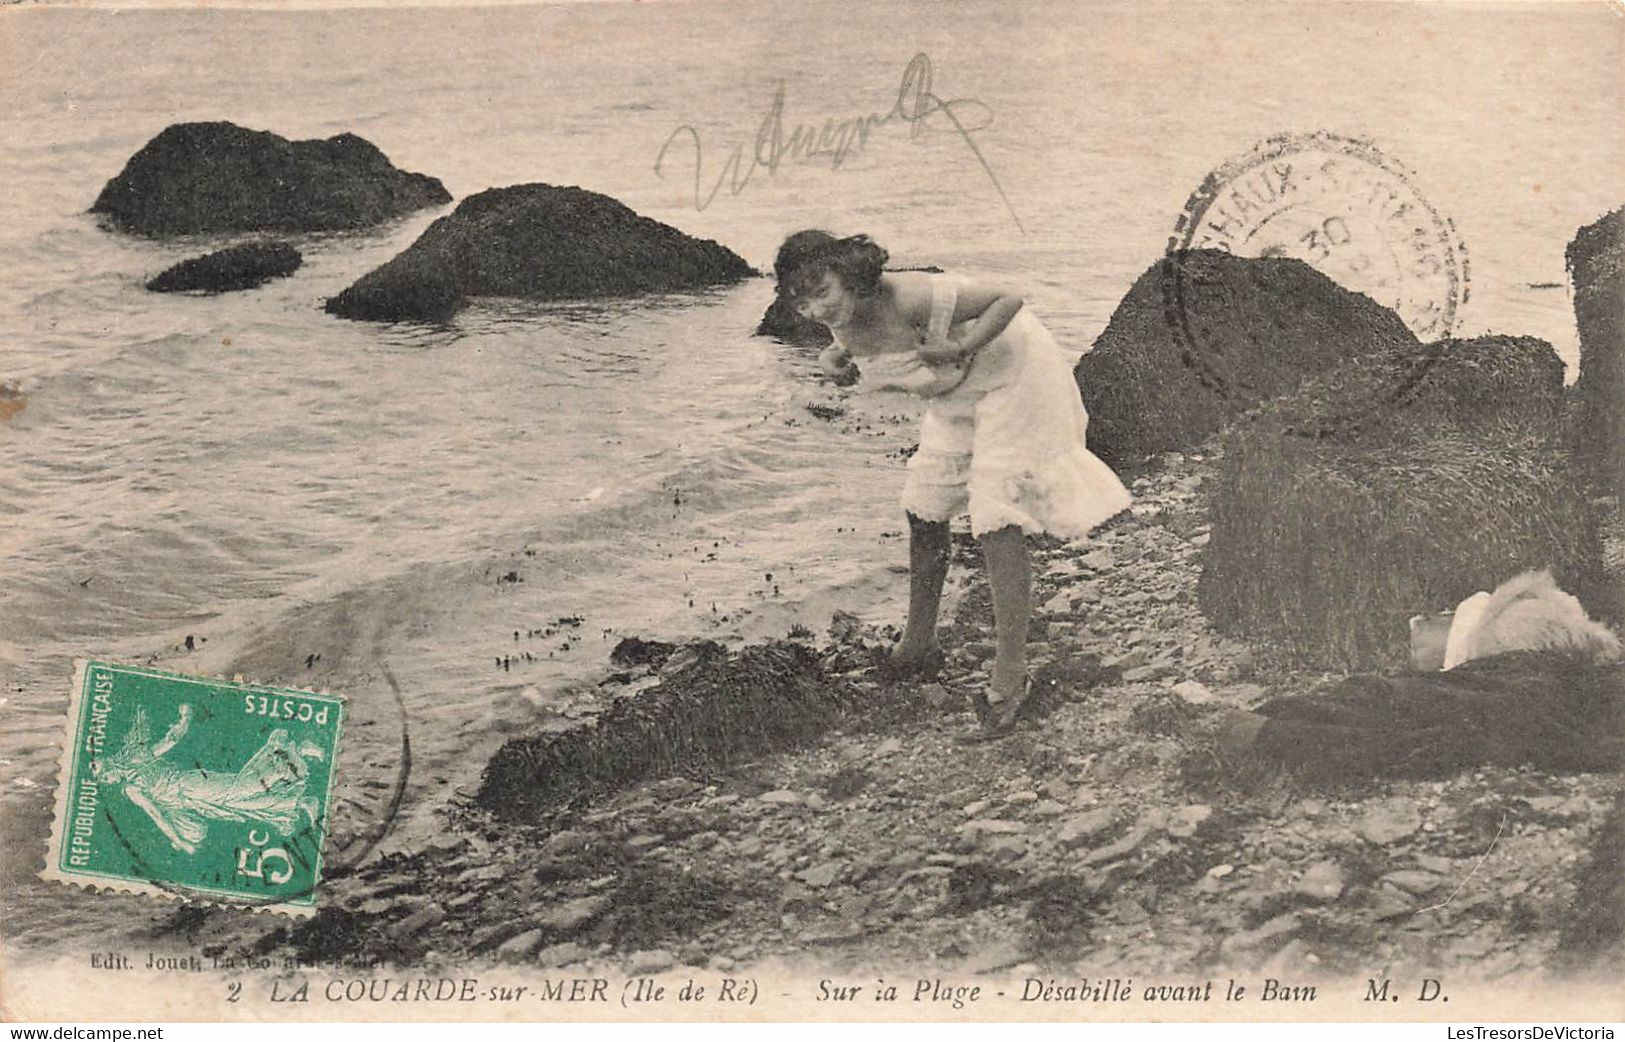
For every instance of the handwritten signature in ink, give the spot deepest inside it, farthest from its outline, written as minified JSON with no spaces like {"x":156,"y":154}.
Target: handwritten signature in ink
{"x":837,"y":139}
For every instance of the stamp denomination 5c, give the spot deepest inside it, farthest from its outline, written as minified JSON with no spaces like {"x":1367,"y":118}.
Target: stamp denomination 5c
{"x":194,"y":788}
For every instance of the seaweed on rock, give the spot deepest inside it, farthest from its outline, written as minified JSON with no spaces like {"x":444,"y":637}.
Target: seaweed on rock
{"x":1171,"y":369}
{"x":195,"y":178}
{"x":535,"y":242}
{"x":1324,"y":549}
{"x":1596,"y":262}
{"x":1464,"y":384}
{"x":710,"y":710}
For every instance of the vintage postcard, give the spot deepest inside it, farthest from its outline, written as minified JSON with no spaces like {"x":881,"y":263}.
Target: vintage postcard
{"x":850,"y":511}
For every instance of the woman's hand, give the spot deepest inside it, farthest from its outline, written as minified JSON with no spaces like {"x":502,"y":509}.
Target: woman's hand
{"x":944,"y":351}
{"x":838,"y":365}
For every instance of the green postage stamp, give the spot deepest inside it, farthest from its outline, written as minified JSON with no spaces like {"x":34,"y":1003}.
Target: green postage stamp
{"x":194,"y":788}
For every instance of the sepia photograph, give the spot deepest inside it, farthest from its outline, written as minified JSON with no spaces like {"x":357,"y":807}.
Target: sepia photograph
{"x":739,"y":511}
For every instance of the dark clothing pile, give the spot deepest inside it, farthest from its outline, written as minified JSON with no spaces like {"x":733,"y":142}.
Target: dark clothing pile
{"x":1551,"y":710}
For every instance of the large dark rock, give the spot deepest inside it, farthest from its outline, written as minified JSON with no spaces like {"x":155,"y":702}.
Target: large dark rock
{"x":1596,"y":261}
{"x":1204,"y":336}
{"x":219,"y":177}
{"x":538,"y":242}
{"x":233,"y":268}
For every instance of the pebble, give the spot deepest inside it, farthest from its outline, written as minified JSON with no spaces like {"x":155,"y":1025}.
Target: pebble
{"x":1391,"y":903}
{"x":1323,"y":881}
{"x":1122,"y":848}
{"x":481,"y":874}
{"x":1414,"y":881}
{"x":820,"y":876}
{"x":521,"y":947}
{"x":782,"y":798}
{"x":462,"y":901}
{"x":994,"y":958}
{"x":1097,"y":560}
{"x":1194,"y":692}
{"x":1186,"y":820}
{"x":1005,"y":848}
{"x":833,"y":933}
{"x":428,"y":916}
{"x":1245,"y":694}
{"x":446,"y":842}
{"x":567,"y":842}
{"x":992,"y":826}
{"x":1132,"y":659}
{"x":571,"y":916}
{"x":654,"y":960}
{"x":493,"y":935}
{"x":1389,"y":821}
{"x":1277,"y":929}
{"x":560,"y":954}
{"x":1435,"y":863}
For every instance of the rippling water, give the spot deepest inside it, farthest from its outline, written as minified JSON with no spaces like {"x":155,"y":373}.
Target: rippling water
{"x":282,"y":485}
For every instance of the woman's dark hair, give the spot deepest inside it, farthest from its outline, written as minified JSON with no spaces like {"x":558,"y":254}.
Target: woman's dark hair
{"x":807,"y":255}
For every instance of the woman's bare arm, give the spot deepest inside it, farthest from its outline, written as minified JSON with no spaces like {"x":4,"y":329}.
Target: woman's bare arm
{"x":988,"y":309}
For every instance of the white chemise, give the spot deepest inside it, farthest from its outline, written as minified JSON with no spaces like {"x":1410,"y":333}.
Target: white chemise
{"x":1004,"y":440}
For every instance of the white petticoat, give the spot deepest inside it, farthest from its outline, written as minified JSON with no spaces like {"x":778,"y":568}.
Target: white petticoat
{"x":1008,"y":445}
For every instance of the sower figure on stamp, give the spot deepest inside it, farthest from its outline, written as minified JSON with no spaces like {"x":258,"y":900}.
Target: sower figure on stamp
{"x":1002,"y":436}
{"x":269,"y":788}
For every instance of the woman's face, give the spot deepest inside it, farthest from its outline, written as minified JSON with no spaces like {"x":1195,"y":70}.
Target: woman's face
{"x":827,"y":302}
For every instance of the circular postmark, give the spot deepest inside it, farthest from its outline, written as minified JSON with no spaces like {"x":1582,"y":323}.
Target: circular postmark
{"x":1340,"y":205}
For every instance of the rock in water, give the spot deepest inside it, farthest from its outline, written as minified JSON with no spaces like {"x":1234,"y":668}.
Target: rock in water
{"x":1256,"y":328}
{"x":234,"y":268}
{"x":781,"y":321}
{"x":218,"y":177}
{"x":1596,"y":261}
{"x":538,"y":242}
